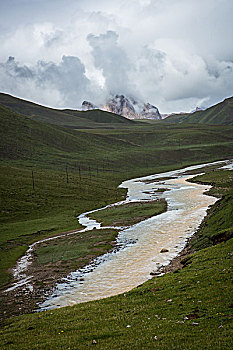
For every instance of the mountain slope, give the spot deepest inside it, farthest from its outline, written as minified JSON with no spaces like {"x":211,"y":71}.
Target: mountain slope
{"x":68,"y":118}
{"x":219,"y":114}
{"x":99,"y":116}
{"x":23,"y":138}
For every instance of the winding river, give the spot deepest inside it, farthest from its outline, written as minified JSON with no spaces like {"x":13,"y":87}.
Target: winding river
{"x":140,"y":245}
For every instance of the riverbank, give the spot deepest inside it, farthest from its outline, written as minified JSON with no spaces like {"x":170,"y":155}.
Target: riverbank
{"x":130,"y":213}
{"x":57,"y":257}
{"x":152,"y":243}
{"x":211,"y":231}
{"x":191,"y":308}
{"x":54,"y":259}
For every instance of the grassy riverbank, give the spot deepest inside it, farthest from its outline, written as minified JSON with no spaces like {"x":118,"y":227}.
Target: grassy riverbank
{"x":54,"y":259}
{"x":49,"y":174}
{"x":130,"y":213}
{"x":188,"y":309}
{"x":76,"y":249}
{"x":218,"y":227}
{"x":51,"y":261}
{"x":27,"y":215}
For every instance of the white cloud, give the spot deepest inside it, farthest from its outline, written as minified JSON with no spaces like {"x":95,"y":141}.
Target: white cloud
{"x":176,"y":54}
{"x":60,"y":85}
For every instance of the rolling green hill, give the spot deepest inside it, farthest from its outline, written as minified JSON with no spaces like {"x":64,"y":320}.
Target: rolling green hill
{"x":220,"y":114}
{"x":99,"y":116}
{"x":75,"y":171}
{"x":95,"y":161}
{"x":126,"y":147}
{"x":23,"y":138}
{"x":68,"y":118}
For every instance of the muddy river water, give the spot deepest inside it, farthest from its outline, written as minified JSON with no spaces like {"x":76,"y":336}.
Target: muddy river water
{"x":140,"y":245}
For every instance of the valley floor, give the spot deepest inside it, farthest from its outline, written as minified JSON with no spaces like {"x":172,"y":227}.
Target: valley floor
{"x":190,"y":308}
{"x":55,"y":166}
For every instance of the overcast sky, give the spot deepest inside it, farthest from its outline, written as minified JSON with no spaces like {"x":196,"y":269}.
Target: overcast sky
{"x":175,"y":54}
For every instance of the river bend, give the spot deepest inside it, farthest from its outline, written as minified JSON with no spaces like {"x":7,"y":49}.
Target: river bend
{"x":141,"y":244}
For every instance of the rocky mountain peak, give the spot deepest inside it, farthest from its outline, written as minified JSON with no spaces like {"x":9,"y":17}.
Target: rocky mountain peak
{"x":127,"y":107}
{"x":121,"y":105}
{"x":150,"y":112}
{"x":87,"y":106}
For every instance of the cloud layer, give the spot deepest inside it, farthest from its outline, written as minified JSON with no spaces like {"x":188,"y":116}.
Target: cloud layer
{"x":175,"y":54}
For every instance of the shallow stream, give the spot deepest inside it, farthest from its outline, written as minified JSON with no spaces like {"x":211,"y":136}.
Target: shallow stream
{"x":140,"y":245}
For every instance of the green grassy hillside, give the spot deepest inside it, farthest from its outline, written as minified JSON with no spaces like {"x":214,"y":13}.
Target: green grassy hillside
{"x":23,"y":138}
{"x":220,"y":114}
{"x":68,"y":118}
{"x":99,"y":116}
{"x":120,"y":150}
{"x":75,"y":171}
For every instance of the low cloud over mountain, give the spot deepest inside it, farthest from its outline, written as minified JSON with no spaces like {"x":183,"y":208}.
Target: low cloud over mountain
{"x":175,"y":54}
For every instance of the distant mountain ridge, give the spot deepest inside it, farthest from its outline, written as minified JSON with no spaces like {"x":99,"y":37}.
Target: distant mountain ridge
{"x":126,"y":107}
{"x":118,"y":111}
{"x":66,"y":117}
{"x":219,"y":114}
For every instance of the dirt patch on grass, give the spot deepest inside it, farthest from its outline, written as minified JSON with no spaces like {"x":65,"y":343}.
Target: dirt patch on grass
{"x":178,"y":262}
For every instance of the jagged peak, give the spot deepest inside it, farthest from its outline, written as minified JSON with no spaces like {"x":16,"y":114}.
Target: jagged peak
{"x":87,"y":106}
{"x":127,"y":107}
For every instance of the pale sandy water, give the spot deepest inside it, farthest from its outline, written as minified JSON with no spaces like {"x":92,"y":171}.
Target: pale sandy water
{"x":127,"y":268}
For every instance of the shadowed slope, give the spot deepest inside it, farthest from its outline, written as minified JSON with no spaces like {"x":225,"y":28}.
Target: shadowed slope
{"x":68,"y":118}
{"x":24,"y":138}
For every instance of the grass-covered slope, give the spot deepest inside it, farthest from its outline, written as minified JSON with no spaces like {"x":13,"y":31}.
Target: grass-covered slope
{"x":69,"y":175}
{"x":23,"y":138}
{"x":124,"y":150}
{"x":78,"y":171}
{"x":189,"y":309}
{"x":219,"y":225}
{"x":219,"y":114}
{"x":68,"y":118}
{"x":99,"y":116}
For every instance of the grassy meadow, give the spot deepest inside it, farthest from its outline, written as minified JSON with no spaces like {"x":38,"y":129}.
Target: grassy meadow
{"x":187,"y":309}
{"x":49,"y":174}
{"x":67,"y":183}
{"x":76,"y":247}
{"x":75,"y":171}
